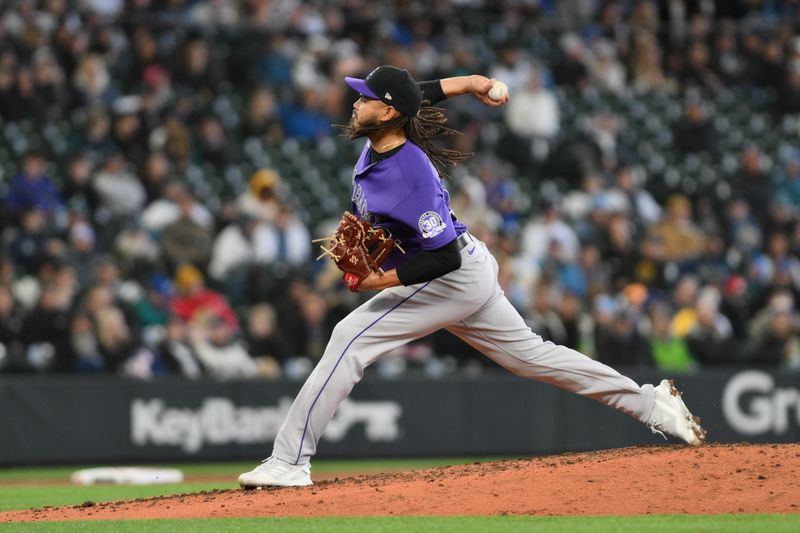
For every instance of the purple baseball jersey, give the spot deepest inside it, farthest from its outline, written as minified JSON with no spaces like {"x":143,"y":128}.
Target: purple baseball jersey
{"x":405,"y":195}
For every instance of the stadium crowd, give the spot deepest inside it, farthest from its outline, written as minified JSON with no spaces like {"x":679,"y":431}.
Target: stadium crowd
{"x":142,"y":234}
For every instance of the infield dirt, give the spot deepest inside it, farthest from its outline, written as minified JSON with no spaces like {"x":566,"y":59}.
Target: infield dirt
{"x":711,"y":479}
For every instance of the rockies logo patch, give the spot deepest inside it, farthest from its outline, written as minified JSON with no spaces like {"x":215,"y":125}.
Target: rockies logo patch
{"x":431,"y":224}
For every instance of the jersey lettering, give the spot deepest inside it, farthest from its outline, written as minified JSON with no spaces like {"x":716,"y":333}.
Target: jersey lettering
{"x":360,"y":201}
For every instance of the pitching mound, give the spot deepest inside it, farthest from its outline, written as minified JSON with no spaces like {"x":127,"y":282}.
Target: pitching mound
{"x":641,"y":480}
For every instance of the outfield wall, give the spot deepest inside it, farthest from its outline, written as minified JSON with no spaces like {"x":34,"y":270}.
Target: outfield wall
{"x":105,"y":420}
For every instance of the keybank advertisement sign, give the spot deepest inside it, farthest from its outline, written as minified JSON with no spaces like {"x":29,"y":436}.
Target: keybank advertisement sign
{"x":218,"y":421}
{"x":754,"y":405}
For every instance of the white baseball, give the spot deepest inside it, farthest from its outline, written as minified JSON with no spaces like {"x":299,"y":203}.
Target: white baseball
{"x":498,"y":91}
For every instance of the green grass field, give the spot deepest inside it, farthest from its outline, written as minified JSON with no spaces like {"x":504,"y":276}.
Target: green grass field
{"x":466,"y":524}
{"x":26,"y":488}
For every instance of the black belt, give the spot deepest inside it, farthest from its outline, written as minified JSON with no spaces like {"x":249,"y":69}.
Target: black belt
{"x":464,"y":240}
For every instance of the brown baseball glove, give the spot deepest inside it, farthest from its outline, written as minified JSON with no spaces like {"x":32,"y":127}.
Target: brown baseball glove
{"x":357,"y":248}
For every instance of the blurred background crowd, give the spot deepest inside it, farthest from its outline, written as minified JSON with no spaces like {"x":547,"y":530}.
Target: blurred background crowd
{"x":165,"y":164}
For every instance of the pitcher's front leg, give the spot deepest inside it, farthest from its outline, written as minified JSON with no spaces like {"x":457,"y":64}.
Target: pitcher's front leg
{"x":382,"y":324}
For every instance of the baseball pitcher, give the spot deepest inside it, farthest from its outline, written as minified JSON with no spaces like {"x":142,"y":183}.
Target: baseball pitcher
{"x":401,"y":238}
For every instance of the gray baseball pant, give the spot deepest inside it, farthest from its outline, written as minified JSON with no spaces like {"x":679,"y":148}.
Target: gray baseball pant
{"x":469,"y":303}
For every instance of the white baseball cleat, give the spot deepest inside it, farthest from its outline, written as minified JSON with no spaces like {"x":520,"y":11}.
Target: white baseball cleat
{"x":670,"y":415}
{"x":273,"y":472}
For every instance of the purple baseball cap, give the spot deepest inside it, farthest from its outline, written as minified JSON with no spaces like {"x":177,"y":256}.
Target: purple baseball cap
{"x":393,"y":86}
{"x":360,"y":86}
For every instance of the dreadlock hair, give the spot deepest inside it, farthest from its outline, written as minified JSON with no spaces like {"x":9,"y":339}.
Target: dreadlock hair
{"x":420,"y":129}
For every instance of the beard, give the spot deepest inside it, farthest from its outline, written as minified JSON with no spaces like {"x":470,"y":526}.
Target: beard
{"x":356,"y":129}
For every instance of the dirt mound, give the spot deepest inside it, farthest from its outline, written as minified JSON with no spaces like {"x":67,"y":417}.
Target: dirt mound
{"x":642,"y":480}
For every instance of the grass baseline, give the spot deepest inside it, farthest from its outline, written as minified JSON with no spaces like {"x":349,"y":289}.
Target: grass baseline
{"x":32,"y":487}
{"x":408,"y":524}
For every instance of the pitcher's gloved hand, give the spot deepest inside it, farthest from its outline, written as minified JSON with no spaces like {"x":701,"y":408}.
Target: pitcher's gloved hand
{"x":357,"y":248}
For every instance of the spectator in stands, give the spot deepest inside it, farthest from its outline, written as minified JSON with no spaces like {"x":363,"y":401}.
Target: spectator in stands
{"x":502,"y":193}
{"x":713,"y":266}
{"x":174,"y":138}
{"x":260,"y":200}
{"x":694,"y":133}
{"x":177,"y":352}
{"x":736,"y":305}
{"x":647,"y":74}
{"x":264,"y":339}
{"x":50,"y":84}
{"x":85,"y":349}
{"x":580,"y":201}
{"x":213,"y":144}
{"x":619,"y":251}
{"x":81,"y":254}
{"x":33,"y":187}
{"x":670,"y":353}
{"x":157,"y":85}
{"x":28,"y":243}
{"x":742,"y":231}
{"x":710,"y":339}
{"x":261,"y":119}
{"x":516,"y":276}
{"x":602,"y":132}
{"x":92,"y":81}
{"x":184,"y":240}
{"x":235,"y":252}
{"x":533,"y":116}
{"x":787,"y":183}
{"x":537,"y":235}
{"x":192,"y":298}
{"x":777,"y":343}
{"x":289,"y":240}
{"x":570,"y":68}
{"x":77,"y":191}
{"x":678,"y":238}
{"x":167,"y":209}
{"x":753,"y":183}
{"x":95,"y":138}
{"x":152,"y":308}
{"x":697,"y":71}
{"x":628,"y":196}
{"x":222,"y":355}
{"x":26,"y":104}
{"x":305,"y":320}
{"x":765,"y":267}
{"x":128,"y":133}
{"x":774,"y":333}
{"x":156,"y":175}
{"x":195,"y":72}
{"x":136,"y":250}
{"x":469,"y":201}
{"x":121,"y":193}
{"x":617,"y":339}
{"x":571,"y":316}
{"x":121,"y":348}
{"x":306,"y":118}
{"x":563,"y":270}
{"x":728,"y":63}
{"x":543,"y":317}
{"x":45,"y":331}
{"x":606,"y":71}
{"x":513,"y":68}
{"x":684,"y":298}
